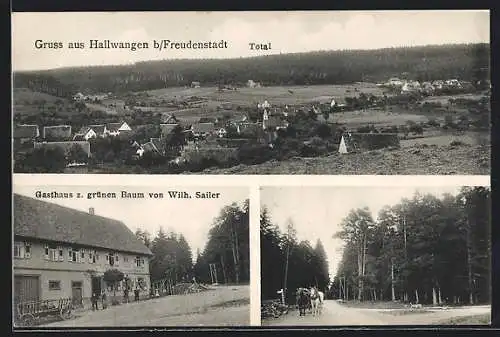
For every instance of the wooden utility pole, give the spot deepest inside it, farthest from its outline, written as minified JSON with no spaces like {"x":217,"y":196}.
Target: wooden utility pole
{"x":286,"y":269}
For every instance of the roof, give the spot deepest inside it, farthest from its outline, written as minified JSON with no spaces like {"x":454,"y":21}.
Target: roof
{"x":169,"y":118}
{"x":83,"y":130}
{"x":26,"y":131}
{"x":274,"y":121}
{"x":203,"y":127}
{"x":65,"y":146}
{"x":149,"y":147}
{"x":166,"y":129}
{"x":113,"y":126}
{"x":99,"y":129}
{"x":47,"y":221}
{"x":57,"y":131}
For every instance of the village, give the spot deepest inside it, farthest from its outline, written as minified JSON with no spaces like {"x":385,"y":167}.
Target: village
{"x":142,"y":133}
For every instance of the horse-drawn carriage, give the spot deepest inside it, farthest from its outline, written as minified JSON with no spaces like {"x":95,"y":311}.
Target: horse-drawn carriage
{"x":30,"y":313}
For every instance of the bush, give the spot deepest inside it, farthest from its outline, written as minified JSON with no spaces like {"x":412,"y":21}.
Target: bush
{"x":416,"y":129}
{"x":252,"y":154}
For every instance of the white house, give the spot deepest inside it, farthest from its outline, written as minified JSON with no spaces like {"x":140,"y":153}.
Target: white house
{"x":114,"y":129}
{"x":85,"y":133}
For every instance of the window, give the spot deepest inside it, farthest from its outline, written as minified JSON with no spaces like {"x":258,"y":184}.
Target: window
{"x":22,"y":250}
{"x":82,"y":255}
{"x":54,"y":285}
{"x":51,"y":253}
{"x":139,"y":262}
{"x":111,"y":259}
{"x":125,"y":259}
{"x":61,"y":257}
{"x":116,"y":260}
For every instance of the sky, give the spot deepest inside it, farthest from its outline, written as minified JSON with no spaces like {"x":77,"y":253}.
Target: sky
{"x":288,"y":32}
{"x":317,"y":212}
{"x":190,"y":217}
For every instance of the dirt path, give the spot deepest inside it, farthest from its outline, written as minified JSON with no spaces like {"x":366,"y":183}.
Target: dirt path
{"x":223,"y":306}
{"x":337,"y":314}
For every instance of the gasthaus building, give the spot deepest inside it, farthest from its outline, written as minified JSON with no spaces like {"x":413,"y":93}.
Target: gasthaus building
{"x":59,"y":252}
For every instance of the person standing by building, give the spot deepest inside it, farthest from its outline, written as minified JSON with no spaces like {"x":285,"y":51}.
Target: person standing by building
{"x":104,"y":300}
{"x":94,"y":301}
{"x":125,"y":294}
{"x":136,"y":294}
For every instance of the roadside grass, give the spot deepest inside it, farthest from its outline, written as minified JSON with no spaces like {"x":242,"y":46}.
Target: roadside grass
{"x":482,"y":319}
{"x":373,"y":305}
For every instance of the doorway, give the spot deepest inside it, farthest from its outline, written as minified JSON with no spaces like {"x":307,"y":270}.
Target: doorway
{"x":77,"y":293}
{"x":96,"y":285}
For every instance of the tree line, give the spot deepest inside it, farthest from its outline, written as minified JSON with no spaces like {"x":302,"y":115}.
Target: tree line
{"x":425,"y":249}
{"x":287,"y":263}
{"x":468,"y":62}
{"x":227,"y":247}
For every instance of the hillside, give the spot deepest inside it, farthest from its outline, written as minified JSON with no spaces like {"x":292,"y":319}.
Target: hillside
{"x":465,"y":61}
{"x":415,"y":160}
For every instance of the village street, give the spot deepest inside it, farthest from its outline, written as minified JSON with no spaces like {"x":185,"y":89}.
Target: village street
{"x":337,"y":314}
{"x":222,"y":306}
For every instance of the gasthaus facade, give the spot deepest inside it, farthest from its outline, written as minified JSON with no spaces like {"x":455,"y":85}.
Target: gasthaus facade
{"x":59,"y":252}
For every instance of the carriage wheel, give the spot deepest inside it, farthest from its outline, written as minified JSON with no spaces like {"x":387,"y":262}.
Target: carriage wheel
{"x":28,"y":320}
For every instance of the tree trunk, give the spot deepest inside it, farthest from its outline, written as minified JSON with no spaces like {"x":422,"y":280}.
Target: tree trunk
{"x":223,"y":268}
{"x":234,"y":248}
{"x":469,"y":262}
{"x":440,"y":301}
{"x":416,"y":296}
{"x":434,"y":297}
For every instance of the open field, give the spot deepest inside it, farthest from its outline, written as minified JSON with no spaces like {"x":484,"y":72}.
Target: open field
{"x":222,"y":306}
{"x":414,"y":160}
{"x":274,"y":95}
{"x":481,"y":319}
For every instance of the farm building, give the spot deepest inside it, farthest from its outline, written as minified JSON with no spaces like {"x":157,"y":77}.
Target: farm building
{"x":65,"y":146}
{"x":59,"y":252}
{"x":202,"y":129}
{"x":25,"y":132}
{"x":84,"y":134}
{"x":169,"y":118}
{"x":115,"y":129}
{"x":252,"y":84}
{"x":57,"y":132}
{"x":100,"y":130}
{"x":274,"y":122}
{"x":355,"y":142}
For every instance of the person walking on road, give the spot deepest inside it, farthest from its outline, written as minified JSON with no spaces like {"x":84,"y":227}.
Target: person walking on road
{"x":104,"y":301}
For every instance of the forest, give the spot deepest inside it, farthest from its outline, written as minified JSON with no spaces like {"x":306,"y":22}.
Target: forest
{"x":285,"y":260}
{"x":468,"y":62}
{"x":425,"y":249}
{"x":227,"y":246}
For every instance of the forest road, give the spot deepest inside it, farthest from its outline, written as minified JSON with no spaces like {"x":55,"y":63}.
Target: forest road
{"x":335,"y":313}
{"x":221,"y":306}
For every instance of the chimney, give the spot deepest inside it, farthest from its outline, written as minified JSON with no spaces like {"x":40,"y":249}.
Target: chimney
{"x":91,"y":210}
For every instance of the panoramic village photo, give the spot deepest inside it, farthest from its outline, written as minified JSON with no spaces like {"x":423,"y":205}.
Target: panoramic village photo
{"x":378,"y":92}
{"x":373,"y":256}
{"x":83,"y":258}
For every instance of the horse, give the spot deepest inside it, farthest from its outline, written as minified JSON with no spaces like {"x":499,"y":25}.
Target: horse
{"x":316,"y":301}
{"x":302,"y":298}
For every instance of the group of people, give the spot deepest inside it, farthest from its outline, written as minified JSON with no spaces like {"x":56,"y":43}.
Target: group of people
{"x":309,"y":299}
{"x":104,"y":304}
